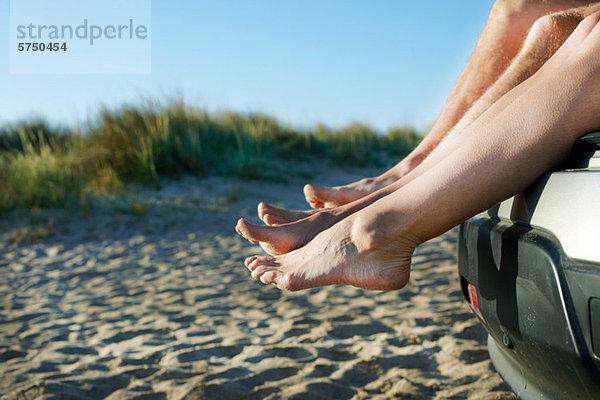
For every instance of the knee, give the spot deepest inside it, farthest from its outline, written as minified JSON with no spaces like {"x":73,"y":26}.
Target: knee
{"x":556,"y":24}
{"x":520,"y":13}
{"x":593,"y":18}
{"x":549,"y":32}
{"x":528,"y":24}
{"x":590,"y":23}
{"x":510,"y":7}
{"x":591,"y":45}
{"x":515,"y":15}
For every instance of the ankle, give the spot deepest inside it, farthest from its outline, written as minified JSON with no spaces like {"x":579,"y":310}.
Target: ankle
{"x":381,"y":231}
{"x":413,"y":161}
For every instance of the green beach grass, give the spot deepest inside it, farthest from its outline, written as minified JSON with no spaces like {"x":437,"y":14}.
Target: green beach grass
{"x":42,"y":166}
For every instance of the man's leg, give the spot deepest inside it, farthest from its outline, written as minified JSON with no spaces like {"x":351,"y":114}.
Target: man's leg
{"x":545,"y":36}
{"x":500,"y":41}
{"x":372,"y":248}
{"x":542,"y":41}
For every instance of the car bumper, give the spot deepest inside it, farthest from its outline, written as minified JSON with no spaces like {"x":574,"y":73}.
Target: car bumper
{"x":537,"y":306}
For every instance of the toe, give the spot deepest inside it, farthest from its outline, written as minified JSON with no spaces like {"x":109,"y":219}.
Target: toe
{"x":272,"y":215}
{"x":273,"y":239}
{"x":249,"y":261}
{"x":258,"y":261}
{"x":284,"y":281}
{"x":258,"y":271}
{"x":261,"y":269}
{"x":239,"y":227}
{"x":312,"y":197}
{"x":269,"y":219}
{"x":269,"y":276}
{"x":251,"y":232}
{"x":262,"y":209}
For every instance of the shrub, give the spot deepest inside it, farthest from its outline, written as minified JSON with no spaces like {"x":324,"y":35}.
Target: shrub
{"x":41,"y":166}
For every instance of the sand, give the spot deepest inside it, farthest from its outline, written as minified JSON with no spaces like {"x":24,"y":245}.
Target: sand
{"x":146,"y":297}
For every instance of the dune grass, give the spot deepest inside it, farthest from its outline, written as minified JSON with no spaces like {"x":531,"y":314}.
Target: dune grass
{"x":41,"y":166}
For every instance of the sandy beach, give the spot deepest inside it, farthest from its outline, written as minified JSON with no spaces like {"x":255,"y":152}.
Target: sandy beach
{"x":146,"y":297}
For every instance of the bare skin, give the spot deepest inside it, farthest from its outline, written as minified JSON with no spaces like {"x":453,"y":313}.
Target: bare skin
{"x":542,"y":41}
{"x":524,"y":134}
{"x":546,"y":35}
{"x":502,"y":38}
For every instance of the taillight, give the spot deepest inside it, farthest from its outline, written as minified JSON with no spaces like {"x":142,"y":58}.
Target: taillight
{"x":472,"y":291}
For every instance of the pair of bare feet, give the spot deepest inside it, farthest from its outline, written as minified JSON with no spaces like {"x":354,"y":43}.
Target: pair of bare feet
{"x":369,"y":230}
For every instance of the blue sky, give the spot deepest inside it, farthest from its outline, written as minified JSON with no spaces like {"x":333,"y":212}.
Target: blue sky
{"x":383,"y":62}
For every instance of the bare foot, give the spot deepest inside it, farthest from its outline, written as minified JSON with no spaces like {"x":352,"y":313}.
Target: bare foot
{"x":276,"y":216}
{"x":335,"y":256}
{"x":283,"y":238}
{"x":289,"y":230}
{"x":327,"y":197}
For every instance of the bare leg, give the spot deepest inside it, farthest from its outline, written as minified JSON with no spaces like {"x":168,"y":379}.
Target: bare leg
{"x":542,"y":41}
{"x":500,"y":41}
{"x":545,"y":36}
{"x":372,"y":248}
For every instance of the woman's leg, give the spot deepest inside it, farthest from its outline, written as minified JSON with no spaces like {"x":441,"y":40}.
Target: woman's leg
{"x":542,"y":41}
{"x":372,"y":248}
{"x":500,"y":41}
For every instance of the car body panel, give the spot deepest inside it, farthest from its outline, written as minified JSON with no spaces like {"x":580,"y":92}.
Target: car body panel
{"x":573,"y":225}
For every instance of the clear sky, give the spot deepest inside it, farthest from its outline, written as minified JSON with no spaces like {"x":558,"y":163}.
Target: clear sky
{"x":383,"y":62}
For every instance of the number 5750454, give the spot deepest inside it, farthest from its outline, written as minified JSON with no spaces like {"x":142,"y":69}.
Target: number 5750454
{"x":51,"y":46}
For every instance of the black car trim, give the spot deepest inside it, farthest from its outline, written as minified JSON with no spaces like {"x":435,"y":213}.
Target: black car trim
{"x":551,"y":246}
